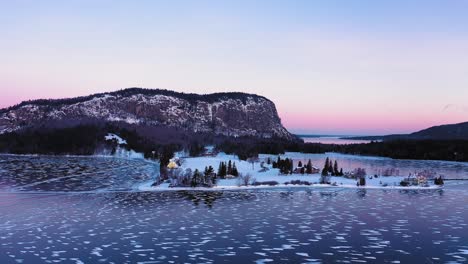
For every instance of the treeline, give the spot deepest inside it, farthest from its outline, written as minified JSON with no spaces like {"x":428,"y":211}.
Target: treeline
{"x":187,"y":178}
{"x":286,"y":166}
{"x":161,"y":143}
{"x":331,"y":168}
{"x":87,"y":139}
{"x":451,"y":150}
{"x":229,"y":169}
{"x":83,"y":140}
{"x":247,"y":147}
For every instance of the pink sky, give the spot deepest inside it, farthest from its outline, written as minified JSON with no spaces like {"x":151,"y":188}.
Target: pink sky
{"x":365,"y":67}
{"x":304,"y":118}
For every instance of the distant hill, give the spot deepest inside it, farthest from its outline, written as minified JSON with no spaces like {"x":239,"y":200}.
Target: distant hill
{"x":453,"y":131}
{"x":444,"y":132}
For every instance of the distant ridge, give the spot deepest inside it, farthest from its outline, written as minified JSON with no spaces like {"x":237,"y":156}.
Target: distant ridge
{"x":443,"y":132}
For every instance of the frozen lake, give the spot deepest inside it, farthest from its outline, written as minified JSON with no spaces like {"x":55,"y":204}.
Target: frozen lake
{"x":85,"y":210}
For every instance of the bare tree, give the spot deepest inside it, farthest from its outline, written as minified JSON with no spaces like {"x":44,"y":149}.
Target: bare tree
{"x":245,"y":180}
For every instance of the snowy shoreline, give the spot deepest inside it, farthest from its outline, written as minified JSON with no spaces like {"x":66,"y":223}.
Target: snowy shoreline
{"x":146,"y":187}
{"x":264,"y":176}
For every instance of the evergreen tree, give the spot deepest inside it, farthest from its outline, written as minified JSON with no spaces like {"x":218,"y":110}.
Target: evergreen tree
{"x":195,"y":178}
{"x":324,"y":172}
{"x":302,"y":170}
{"x":341,"y":172}
{"x":326,"y":167}
{"x":299,"y":164}
{"x":214,"y":179}
{"x":220,"y":170}
{"x":229,"y":168}
{"x":309,"y":167}
{"x":209,"y":170}
{"x":291,"y":166}
{"x":234,"y":170}
{"x":330,"y":166}
{"x":208,"y":175}
{"x":335,"y":169}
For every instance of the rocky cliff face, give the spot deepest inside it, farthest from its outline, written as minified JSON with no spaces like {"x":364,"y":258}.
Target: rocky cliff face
{"x":229,"y":114}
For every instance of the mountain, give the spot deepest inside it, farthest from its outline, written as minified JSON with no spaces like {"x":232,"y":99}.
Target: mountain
{"x":452,"y":131}
{"x":443,"y":132}
{"x":225,"y":114}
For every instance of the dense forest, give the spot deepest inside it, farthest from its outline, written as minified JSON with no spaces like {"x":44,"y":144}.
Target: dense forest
{"x":160,"y":143}
{"x":85,"y":139}
{"x":451,"y":150}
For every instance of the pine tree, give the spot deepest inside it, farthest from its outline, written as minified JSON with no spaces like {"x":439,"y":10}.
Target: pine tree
{"x":309,"y":167}
{"x":234,"y":170}
{"x":341,"y":172}
{"x":326,"y":167}
{"x":324,"y":172}
{"x":209,"y":170}
{"x":335,"y":169}
{"x":229,"y":168}
{"x":291,"y":166}
{"x":299,"y":164}
{"x":195,"y":178}
{"x":220,"y":170}
{"x":214,"y":179}
{"x":209,"y":174}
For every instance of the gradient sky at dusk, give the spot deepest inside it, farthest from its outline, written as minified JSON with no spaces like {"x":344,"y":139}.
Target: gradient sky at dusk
{"x":331,"y":67}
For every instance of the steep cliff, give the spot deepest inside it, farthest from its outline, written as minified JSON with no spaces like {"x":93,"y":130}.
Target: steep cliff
{"x":228,"y":114}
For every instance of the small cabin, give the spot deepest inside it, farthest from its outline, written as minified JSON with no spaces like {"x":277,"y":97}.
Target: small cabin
{"x":315,"y":170}
{"x":172,"y":165}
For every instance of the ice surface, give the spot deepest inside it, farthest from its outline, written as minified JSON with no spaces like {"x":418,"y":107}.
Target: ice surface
{"x":85,"y":210}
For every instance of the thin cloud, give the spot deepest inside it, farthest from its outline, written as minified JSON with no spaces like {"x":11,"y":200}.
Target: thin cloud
{"x":447,"y":107}
{"x":456,"y":108}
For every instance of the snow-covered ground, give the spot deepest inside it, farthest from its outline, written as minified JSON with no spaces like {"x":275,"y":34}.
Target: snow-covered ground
{"x":119,"y":140}
{"x":255,"y":170}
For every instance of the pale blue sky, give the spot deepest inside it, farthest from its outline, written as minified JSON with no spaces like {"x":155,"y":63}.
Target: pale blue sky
{"x":344,"y":67}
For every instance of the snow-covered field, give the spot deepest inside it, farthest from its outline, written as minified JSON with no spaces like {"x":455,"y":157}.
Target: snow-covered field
{"x":255,"y":170}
